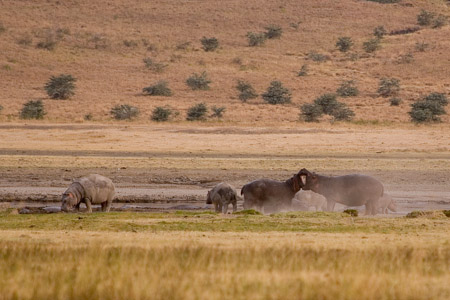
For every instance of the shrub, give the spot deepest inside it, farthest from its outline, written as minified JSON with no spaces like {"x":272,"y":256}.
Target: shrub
{"x":446,"y":213}
{"x":130,"y":43}
{"x":344,"y":43}
{"x":197,"y":112}
{"x":351,"y":212}
{"x":379,"y":32}
{"x":406,"y":58}
{"x":424,"y":18}
{"x":371,"y":45}
{"x":421,"y":46}
{"x":404,"y":31}
{"x":277,"y":94}
{"x":33,"y":110}
{"x":161,"y":114}
{"x":439,"y":21}
{"x":60,"y":87}
{"x":388,"y":87}
{"x":158,"y":89}
{"x":198,"y":81}
{"x":256,"y":39}
{"x":342,"y":113}
{"x":124,"y":112}
{"x":88,"y":117}
{"x":25,"y":40}
{"x":246,"y":90}
{"x":183,"y":46}
{"x":311,"y":112}
{"x":437,"y":97}
{"x":303,"y":71}
{"x":328,"y":103}
{"x":154,"y":66}
{"x":426,"y":111}
{"x":209,"y":44}
{"x":395,"y":101}
{"x":48,"y":43}
{"x":273,"y":31}
{"x":218,"y":111}
{"x":348,"y":89}
{"x":314,"y":56}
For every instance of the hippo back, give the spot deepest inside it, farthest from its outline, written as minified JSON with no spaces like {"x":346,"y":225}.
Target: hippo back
{"x":98,"y":188}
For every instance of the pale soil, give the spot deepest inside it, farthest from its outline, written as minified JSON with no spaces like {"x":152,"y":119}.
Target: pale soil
{"x":160,"y":167}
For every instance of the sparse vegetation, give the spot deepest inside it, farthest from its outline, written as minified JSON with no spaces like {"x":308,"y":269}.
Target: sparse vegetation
{"x":197,"y":112}
{"x":33,"y":109}
{"x":124,"y":112}
{"x":343,"y":113}
{"x":388,"y":87}
{"x":317,"y":57}
{"x":429,"y":108}
{"x":277,"y":94}
{"x":372,"y":45}
{"x":60,"y":87}
{"x":256,"y":39}
{"x":198,"y":81}
{"x":421,"y":46}
{"x":344,"y":43}
{"x":183,"y":45}
{"x":328,"y":103}
{"x":2,"y":28}
{"x":311,"y":112}
{"x":379,"y":32}
{"x":425,"y":17}
{"x":246,"y":90}
{"x":154,"y":66}
{"x":303,"y":70}
{"x":130,"y":43}
{"x":385,"y":1}
{"x":395,"y":101}
{"x":48,"y":43}
{"x":88,"y":117}
{"x":161,"y":114}
{"x":217,"y":111}
{"x":439,"y":21}
{"x":158,"y":89}
{"x":348,"y":89}
{"x":404,"y":31}
{"x":273,"y":31}
{"x":351,"y":212}
{"x":406,"y":58}
{"x":209,"y":44}
{"x":25,"y":40}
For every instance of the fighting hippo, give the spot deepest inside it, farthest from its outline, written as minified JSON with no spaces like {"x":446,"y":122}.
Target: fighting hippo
{"x":306,"y":199}
{"x":221,"y":196}
{"x":350,"y":190}
{"x":93,"y":189}
{"x":386,"y":202}
{"x":267,"y":195}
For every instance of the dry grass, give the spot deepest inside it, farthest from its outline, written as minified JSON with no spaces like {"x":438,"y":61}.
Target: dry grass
{"x":91,"y":47}
{"x":408,"y":261}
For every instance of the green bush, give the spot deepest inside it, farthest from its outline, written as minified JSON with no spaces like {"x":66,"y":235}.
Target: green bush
{"x":33,"y":110}
{"x":388,"y":87}
{"x":426,"y":111}
{"x":372,"y":45}
{"x":246,"y":91}
{"x":395,"y":101}
{"x":154,"y":66}
{"x":273,"y":31}
{"x":60,"y":87}
{"x":209,"y":44}
{"x":344,"y":43}
{"x":303,"y":71}
{"x":124,"y":112}
{"x":256,"y":39}
{"x":424,"y":18}
{"x":311,"y":112}
{"x":317,"y":57}
{"x":379,"y":32}
{"x":161,"y":114}
{"x":437,"y":97}
{"x":198,"y":81}
{"x":348,"y":89}
{"x":158,"y":89}
{"x":328,"y":103}
{"x":277,"y":94}
{"x":342,"y":112}
{"x":218,"y":111}
{"x":197,"y":112}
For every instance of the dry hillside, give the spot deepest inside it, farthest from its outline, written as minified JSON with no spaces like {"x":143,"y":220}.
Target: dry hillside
{"x":103,"y":44}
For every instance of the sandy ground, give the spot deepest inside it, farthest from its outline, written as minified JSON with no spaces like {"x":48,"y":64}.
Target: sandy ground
{"x":167,"y":167}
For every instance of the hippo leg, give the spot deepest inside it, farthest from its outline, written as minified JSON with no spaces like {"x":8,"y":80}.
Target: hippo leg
{"x":234,"y":206}
{"x":103,"y":204}
{"x":88,"y":205}
{"x":77,"y":207}
{"x":108,"y":205}
{"x":369,"y":208}
{"x":225,"y":208}
{"x":220,"y":207}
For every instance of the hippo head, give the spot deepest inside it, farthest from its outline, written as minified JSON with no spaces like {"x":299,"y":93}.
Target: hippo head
{"x":208,"y":198}
{"x":68,"y":202}
{"x":308,"y":180}
{"x":297,"y":183}
{"x":392,"y":206}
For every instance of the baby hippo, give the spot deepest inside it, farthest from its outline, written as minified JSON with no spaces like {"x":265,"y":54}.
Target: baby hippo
{"x":93,"y":189}
{"x":221,"y":196}
{"x":308,"y":199}
{"x":386,"y":202}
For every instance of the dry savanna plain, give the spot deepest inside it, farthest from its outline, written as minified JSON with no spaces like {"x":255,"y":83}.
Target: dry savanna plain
{"x":161,"y":240}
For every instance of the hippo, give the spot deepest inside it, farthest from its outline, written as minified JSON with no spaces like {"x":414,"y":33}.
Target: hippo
{"x":386,"y":202}
{"x":350,"y":190}
{"x":306,"y":199}
{"x":221,"y":196}
{"x":267,"y":195}
{"x":92,"y":189}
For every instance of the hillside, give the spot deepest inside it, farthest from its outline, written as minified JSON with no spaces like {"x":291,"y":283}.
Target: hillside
{"x":103,"y":44}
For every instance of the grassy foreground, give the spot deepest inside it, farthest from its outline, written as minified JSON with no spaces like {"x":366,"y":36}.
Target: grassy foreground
{"x":207,"y":256}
